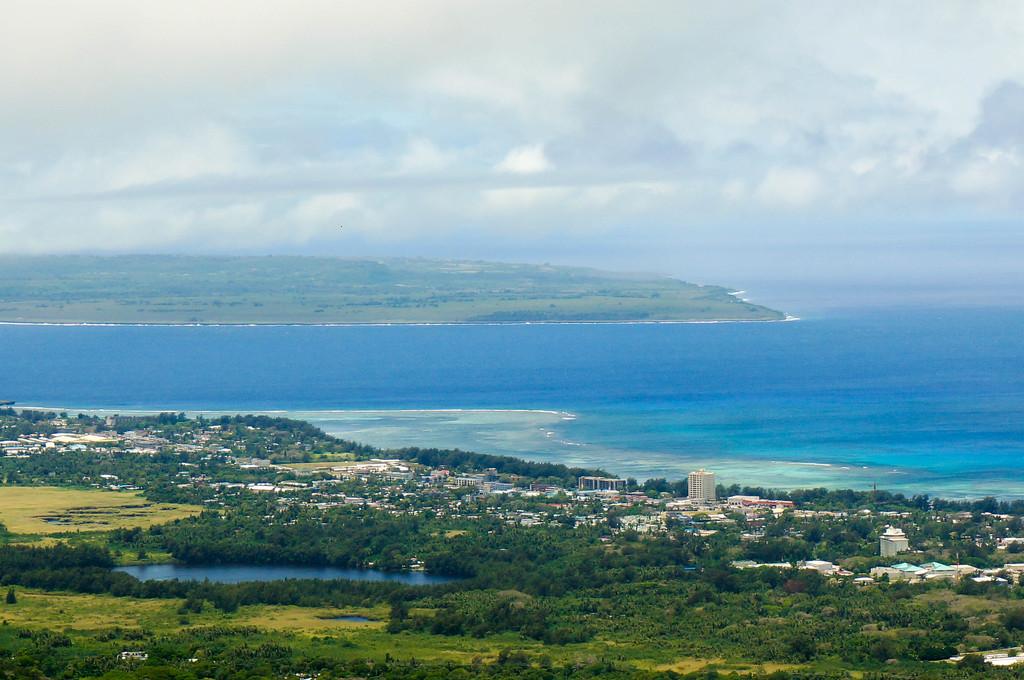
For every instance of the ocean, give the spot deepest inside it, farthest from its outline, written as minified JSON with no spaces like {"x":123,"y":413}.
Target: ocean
{"x":920,"y":401}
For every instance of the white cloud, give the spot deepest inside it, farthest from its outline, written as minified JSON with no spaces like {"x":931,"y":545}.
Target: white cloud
{"x":525,"y":160}
{"x":863,"y":166}
{"x":325,"y":210}
{"x":423,"y":156}
{"x":793,"y":187}
{"x":991,"y":171}
{"x":522,"y":198}
{"x":162,"y":157}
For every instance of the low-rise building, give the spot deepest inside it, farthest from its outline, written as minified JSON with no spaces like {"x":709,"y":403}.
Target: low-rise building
{"x":929,"y":571}
{"x":758,"y":502}
{"x":751,"y":564}
{"x":643,"y":524}
{"x":820,"y":566}
{"x":601,"y":484}
{"x":467,"y":481}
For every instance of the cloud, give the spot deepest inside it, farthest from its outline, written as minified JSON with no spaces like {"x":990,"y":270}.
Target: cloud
{"x":988,"y":163}
{"x":208,"y":150}
{"x":325,"y":210}
{"x":991,"y":171}
{"x":1001,"y":114}
{"x":520,"y":198}
{"x":423,"y":156}
{"x":792,"y":187}
{"x":526,"y":129}
{"x":525,"y":160}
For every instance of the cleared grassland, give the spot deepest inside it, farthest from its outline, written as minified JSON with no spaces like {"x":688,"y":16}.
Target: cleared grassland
{"x":323,"y":465}
{"x":53,"y":510}
{"x":60,"y":611}
{"x":85,"y":616}
{"x":319,"y":631}
{"x":695,"y":665}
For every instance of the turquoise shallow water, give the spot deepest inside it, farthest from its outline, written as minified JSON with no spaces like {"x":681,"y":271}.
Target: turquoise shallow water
{"x":928,"y":401}
{"x":622,"y":443}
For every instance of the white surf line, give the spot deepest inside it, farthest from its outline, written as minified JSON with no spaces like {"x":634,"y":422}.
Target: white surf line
{"x":318,"y":412}
{"x":737,"y":293}
{"x":387,"y":324}
{"x":561,"y":414}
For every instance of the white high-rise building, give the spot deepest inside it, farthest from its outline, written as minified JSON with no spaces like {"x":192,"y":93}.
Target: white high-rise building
{"x":700,"y":485}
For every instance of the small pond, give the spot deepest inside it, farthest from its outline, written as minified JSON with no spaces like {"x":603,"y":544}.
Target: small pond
{"x":353,"y":619}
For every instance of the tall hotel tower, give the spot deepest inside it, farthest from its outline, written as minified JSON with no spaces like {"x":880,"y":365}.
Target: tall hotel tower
{"x":701,"y":485}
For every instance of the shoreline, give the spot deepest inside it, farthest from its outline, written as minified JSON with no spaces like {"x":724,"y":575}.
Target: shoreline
{"x":564,"y":415}
{"x":770,"y":473}
{"x":357,"y":324}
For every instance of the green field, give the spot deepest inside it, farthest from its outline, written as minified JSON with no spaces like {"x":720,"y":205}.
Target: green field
{"x":303,"y":290}
{"x":89,"y":619}
{"x":53,"y":510}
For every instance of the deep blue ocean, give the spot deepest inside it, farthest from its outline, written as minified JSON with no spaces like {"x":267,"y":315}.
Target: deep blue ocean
{"x":923,"y":401}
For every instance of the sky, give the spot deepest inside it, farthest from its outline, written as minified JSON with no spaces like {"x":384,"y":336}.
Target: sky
{"x":871,"y":150}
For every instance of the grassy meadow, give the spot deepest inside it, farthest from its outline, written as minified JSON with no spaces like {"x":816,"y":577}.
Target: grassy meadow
{"x":54,"y":510}
{"x":92,"y":621}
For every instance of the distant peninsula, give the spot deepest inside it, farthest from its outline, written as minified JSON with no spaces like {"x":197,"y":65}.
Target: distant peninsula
{"x":158,"y":289}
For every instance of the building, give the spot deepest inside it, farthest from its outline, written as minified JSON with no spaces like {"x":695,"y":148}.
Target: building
{"x":700,"y":486}
{"x":935,"y":570}
{"x":601,"y":484}
{"x":643,"y":524}
{"x":929,"y":571}
{"x":758,"y":502}
{"x":893,"y":542}
{"x":899,"y":572}
{"x":820,"y":566}
{"x":467,"y":480}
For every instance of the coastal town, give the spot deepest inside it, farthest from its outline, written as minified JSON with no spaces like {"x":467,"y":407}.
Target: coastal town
{"x":217,"y":464}
{"x":449,"y":546}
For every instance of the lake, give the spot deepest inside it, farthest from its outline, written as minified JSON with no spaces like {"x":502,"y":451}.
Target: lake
{"x":231,"y":573}
{"x":921,"y":401}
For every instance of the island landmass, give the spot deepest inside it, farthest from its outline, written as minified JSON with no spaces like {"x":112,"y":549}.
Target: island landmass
{"x":161,"y":289}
